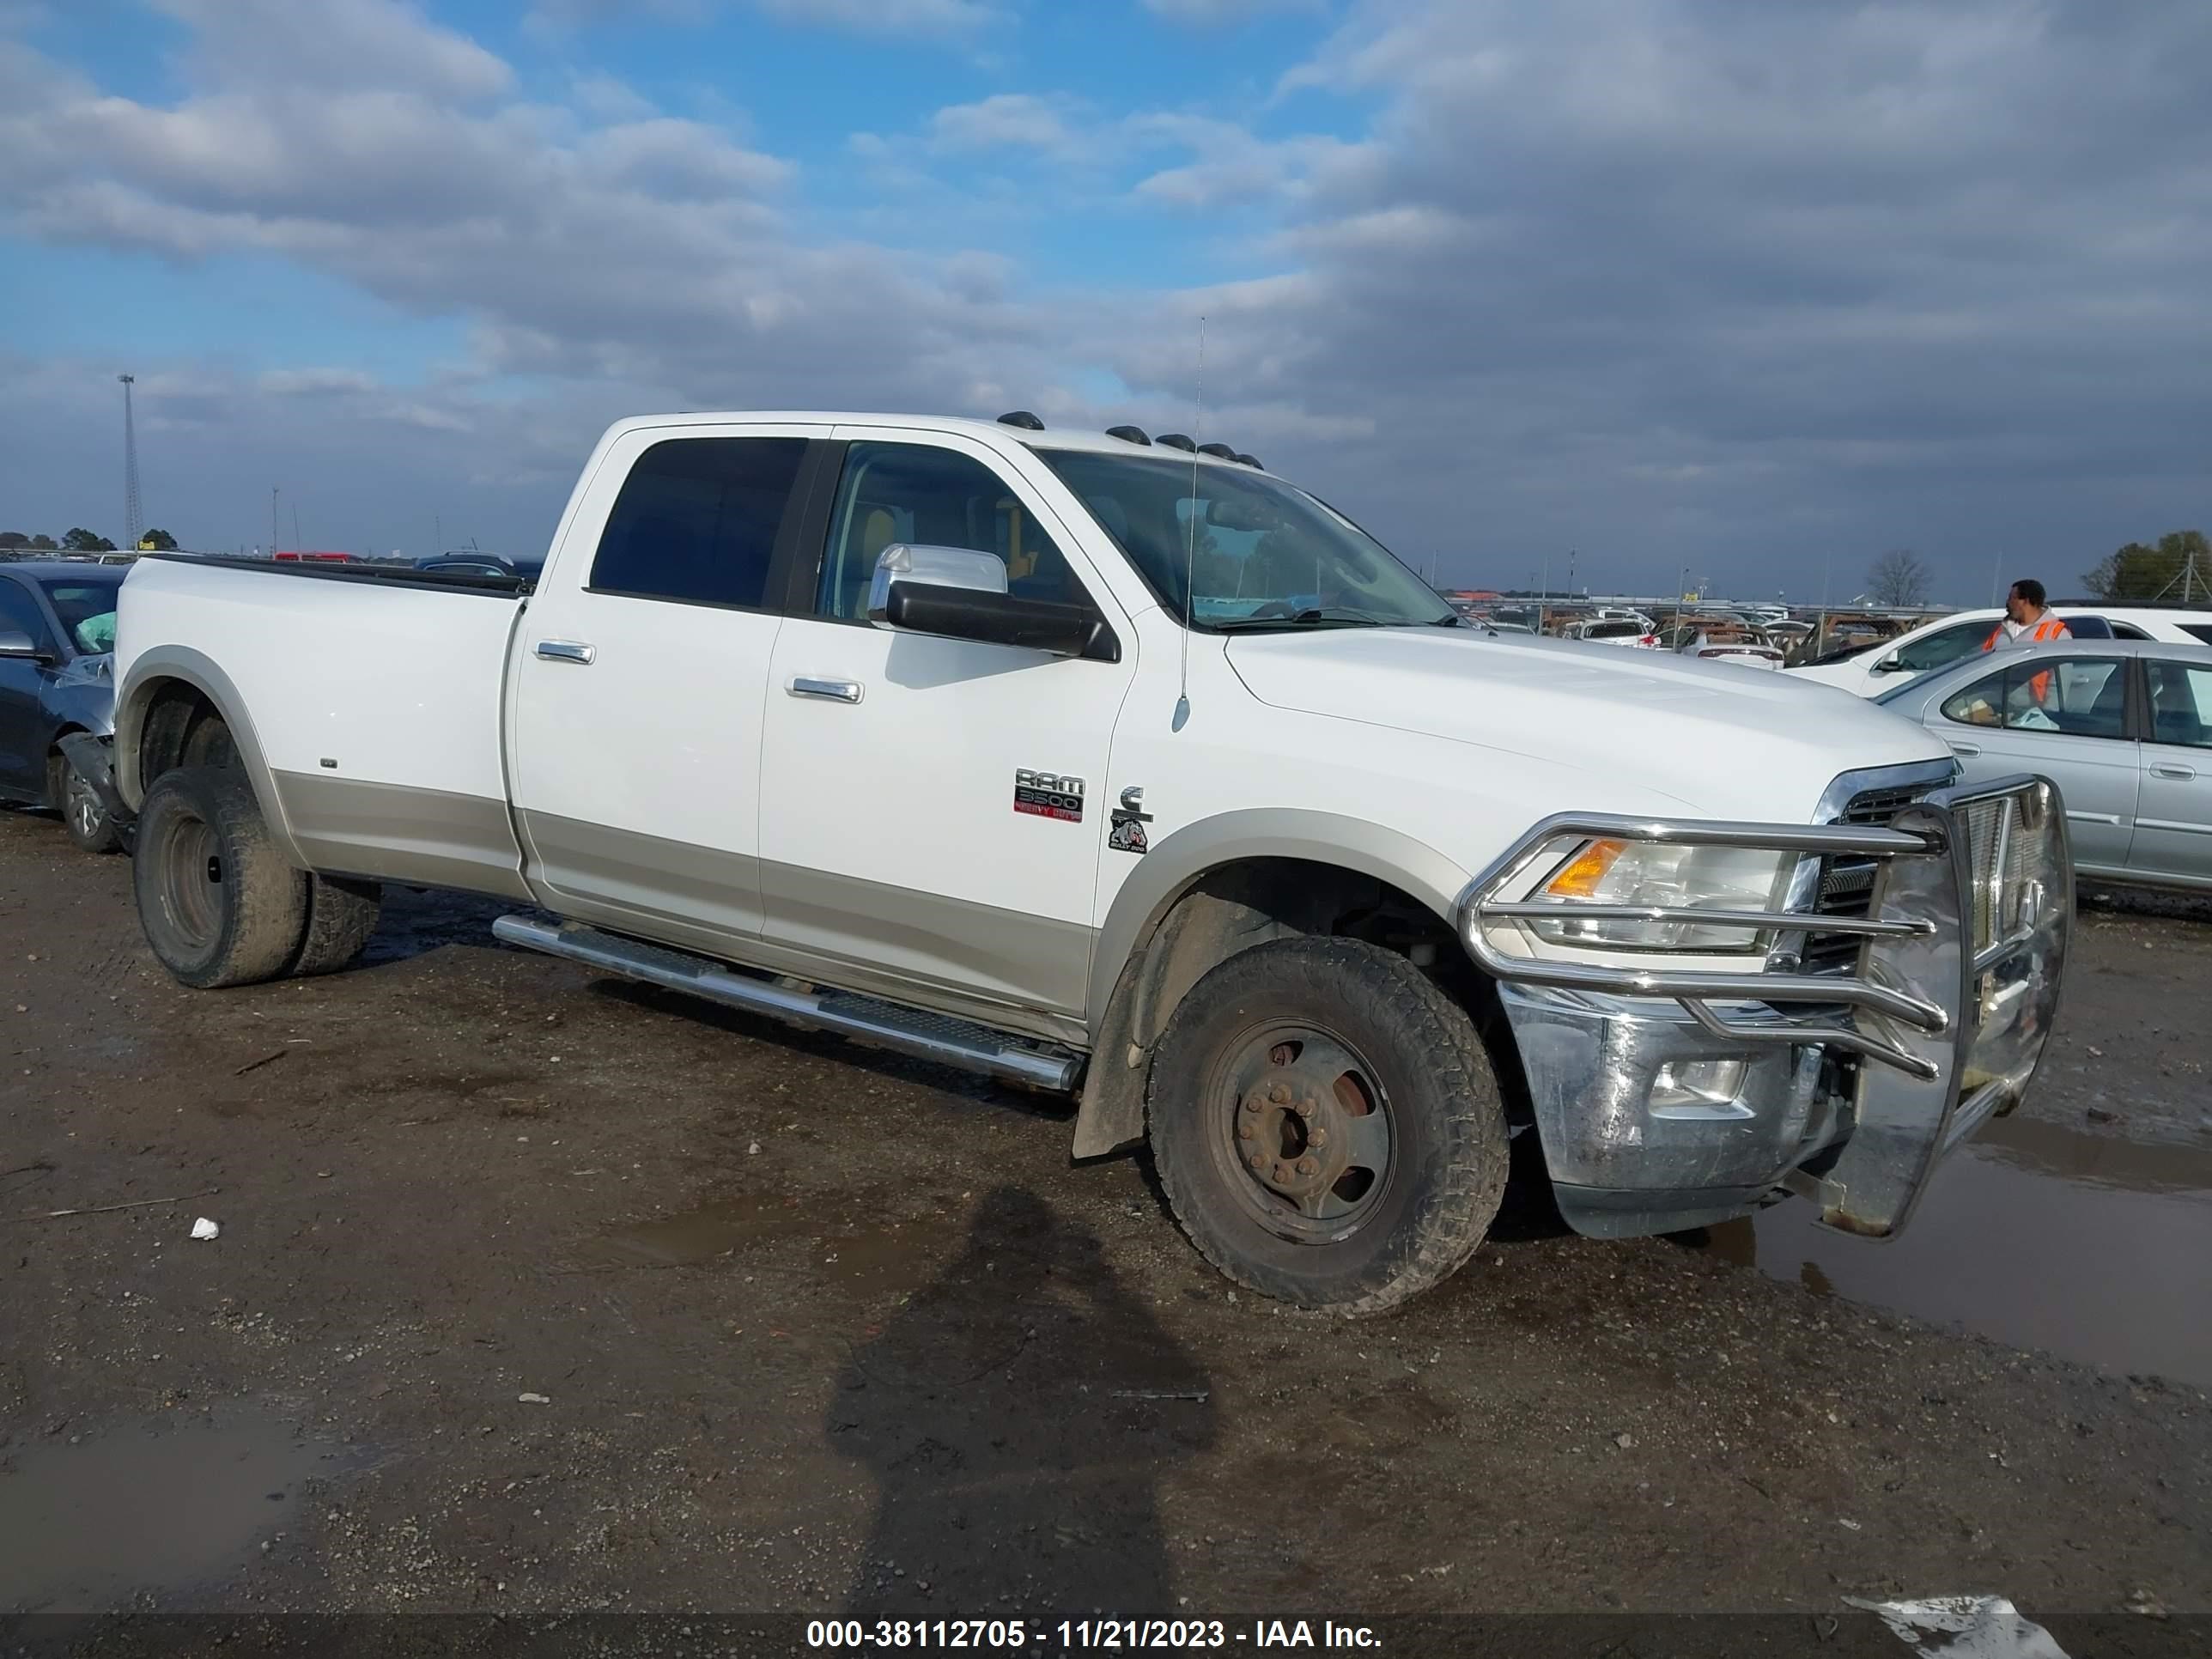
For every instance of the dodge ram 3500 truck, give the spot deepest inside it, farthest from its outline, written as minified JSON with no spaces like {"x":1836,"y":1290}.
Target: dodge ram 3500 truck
{"x":1124,"y":767}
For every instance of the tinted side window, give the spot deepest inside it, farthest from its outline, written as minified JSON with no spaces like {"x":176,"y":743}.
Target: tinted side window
{"x":935,"y":497}
{"x":696,"y":520}
{"x":1945,"y":646}
{"x":20,"y":614}
{"x":2180,"y":704}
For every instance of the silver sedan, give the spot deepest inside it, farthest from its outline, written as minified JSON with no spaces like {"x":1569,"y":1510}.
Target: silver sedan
{"x":2123,"y":727}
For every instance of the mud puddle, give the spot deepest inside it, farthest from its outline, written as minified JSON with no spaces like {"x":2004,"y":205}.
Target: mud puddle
{"x":2088,"y":1247}
{"x":897,"y":1255}
{"x":159,"y":1508}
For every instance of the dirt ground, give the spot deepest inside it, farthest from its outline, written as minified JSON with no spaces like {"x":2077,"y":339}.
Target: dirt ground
{"x":536,"y":1292}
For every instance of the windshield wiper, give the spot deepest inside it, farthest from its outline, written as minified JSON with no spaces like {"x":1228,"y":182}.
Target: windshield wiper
{"x":1333,"y":616}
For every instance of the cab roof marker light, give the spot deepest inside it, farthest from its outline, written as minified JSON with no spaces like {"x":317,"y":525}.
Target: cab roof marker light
{"x":1022,"y":418}
{"x":1177,"y":440}
{"x":1129,"y":435}
{"x":1252,"y":461}
{"x":1220,"y":452}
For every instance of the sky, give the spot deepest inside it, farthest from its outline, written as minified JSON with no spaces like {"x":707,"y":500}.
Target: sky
{"x":1740,"y":290}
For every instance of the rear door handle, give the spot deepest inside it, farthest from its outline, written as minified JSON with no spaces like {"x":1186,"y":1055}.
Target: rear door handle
{"x":566,"y":651}
{"x":1966,"y":749}
{"x":806,"y":685}
{"x":2180,"y":774}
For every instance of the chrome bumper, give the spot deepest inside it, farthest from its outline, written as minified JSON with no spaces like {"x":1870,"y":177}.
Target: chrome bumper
{"x":1851,"y":1085}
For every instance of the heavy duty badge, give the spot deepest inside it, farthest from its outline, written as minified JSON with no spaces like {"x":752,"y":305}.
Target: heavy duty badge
{"x":1049,"y":795}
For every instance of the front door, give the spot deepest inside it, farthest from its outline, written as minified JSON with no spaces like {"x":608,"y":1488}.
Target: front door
{"x":22,"y":685}
{"x":638,"y":682}
{"x":933,"y":814}
{"x":2173,"y":820}
{"x":2066,"y":718}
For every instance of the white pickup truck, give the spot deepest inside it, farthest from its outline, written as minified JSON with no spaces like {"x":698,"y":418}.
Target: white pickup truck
{"x":1121,"y":767}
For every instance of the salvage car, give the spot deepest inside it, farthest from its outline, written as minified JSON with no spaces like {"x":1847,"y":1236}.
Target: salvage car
{"x":57,"y":632}
{"x":1872,"y":667}
{"x":956,"y":738}
{"x":2123,"y":727}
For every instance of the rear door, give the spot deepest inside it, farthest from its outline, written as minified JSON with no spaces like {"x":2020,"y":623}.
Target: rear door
{"x":636,"y":694}
{"x":2063,"y":719}
{"x":933,"y":818}
{"x":22,"y":724}
{"x":2173,"y":821}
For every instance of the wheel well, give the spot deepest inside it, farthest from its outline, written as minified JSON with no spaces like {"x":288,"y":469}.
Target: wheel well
{"x":1236,"y":906}
{"x":175,"y":712}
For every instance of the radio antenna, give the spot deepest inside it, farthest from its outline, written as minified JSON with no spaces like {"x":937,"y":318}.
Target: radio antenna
{"x":1190,"y":534}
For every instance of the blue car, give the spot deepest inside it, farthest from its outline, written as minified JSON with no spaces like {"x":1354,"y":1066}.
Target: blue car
{"x":57,"y":645}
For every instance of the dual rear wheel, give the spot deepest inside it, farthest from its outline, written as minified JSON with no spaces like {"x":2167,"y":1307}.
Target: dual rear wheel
{"x":221,"y":904}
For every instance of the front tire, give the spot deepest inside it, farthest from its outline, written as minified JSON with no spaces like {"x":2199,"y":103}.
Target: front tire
{"x":219,"y":903}
{"x":342,"y":913}
{"x":1327,"y":1125}
{"x":84,"y":815}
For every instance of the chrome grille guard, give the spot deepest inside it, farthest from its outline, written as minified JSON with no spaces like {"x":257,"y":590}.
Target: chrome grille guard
{"x":1954,"y":992}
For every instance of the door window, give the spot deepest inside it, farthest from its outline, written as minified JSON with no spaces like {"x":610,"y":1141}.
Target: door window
{"x":696,"y":520}
{"x":934,"y":497}
{"x":2180,"y":704}
{"x":1944,"y":647}
{"x":2079,"y":696}
{"x":20,"y":614}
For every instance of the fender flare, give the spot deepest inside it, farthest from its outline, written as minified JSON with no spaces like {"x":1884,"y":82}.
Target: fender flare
{"x":1110,"y":1112}
{"x":149,"y":672}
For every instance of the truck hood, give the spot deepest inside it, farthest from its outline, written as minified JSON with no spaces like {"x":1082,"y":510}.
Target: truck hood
{"x":1725,"y":742}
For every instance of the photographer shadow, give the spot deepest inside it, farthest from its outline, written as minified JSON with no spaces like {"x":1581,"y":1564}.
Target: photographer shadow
{"x":1017,"y":1414}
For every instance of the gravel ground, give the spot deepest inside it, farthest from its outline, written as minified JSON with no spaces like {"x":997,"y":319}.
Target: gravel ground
{"x":535,"y":1292}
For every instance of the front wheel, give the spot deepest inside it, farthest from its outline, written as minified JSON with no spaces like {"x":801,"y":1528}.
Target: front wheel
{"x":1327,"y":1125}
{"x":84,"y":817}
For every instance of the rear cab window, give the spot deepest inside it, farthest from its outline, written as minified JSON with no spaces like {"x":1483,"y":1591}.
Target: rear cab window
{"x":696,"y":521}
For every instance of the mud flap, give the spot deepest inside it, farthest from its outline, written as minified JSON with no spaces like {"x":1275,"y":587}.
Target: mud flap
{"x":1997,"y":883}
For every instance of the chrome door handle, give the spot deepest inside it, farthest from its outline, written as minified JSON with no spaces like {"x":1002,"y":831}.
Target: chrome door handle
{"x":2180,"y":774}
{"x":566,"y":651}
{"x":1966,"y":749}
{"x":805,"y":685}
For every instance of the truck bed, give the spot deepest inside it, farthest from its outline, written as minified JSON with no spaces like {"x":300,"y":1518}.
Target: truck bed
{"x":376,"y":699}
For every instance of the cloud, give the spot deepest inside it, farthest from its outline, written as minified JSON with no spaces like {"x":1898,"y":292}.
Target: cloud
{"x":1214,"y":13}
{"x":889,"y":17}
{"x":1654,"y":279}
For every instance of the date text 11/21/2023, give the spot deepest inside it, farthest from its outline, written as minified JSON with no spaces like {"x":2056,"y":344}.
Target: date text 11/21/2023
{"x":1086,"y":1634}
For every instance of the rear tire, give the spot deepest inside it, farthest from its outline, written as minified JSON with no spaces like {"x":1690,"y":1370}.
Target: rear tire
{"x":84,"y":815}
{"x":1327,"y":1125}
{"x":219,"y":903}
{"x":342,"y":913}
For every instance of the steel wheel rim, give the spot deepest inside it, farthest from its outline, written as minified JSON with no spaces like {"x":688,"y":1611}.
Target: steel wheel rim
{"x":1331,"y":1089}
{"x":191,"y":884}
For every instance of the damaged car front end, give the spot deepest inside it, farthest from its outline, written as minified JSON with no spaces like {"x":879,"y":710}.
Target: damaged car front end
{"x":1710,"y":1014}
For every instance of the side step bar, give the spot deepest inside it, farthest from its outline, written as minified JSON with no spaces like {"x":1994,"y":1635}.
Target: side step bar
{"x":914,"y":1031}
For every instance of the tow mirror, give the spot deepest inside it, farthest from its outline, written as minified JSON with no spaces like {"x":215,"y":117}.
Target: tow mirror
{"x":20,"y":646}
{"x":958,"y":593}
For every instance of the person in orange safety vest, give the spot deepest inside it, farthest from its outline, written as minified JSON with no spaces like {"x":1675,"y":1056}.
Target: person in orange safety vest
{"x":2027,"y":621}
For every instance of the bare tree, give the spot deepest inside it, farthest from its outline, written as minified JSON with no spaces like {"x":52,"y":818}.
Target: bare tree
{"x":1898,"y":577}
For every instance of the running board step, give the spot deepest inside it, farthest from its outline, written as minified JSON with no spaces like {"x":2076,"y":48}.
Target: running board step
{"x":912,"y":1032}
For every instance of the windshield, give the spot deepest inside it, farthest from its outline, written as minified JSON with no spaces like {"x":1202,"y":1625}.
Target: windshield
{"x":87,"y":610}
{"x":1260,"y":551}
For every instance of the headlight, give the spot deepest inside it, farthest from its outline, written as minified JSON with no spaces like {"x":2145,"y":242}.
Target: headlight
{"x":1671,"y":877}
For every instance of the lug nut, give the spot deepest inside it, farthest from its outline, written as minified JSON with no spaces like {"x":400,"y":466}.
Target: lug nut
{"x":1258,"y":1160}
{"x":1308,"y":1166}
{"x":1318,"y":1138}
{"x":1244,"y":1131}
{"x":1282,"y":1172}
{"x":1279,"y":1093}
{"x":1252,"y":1103}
